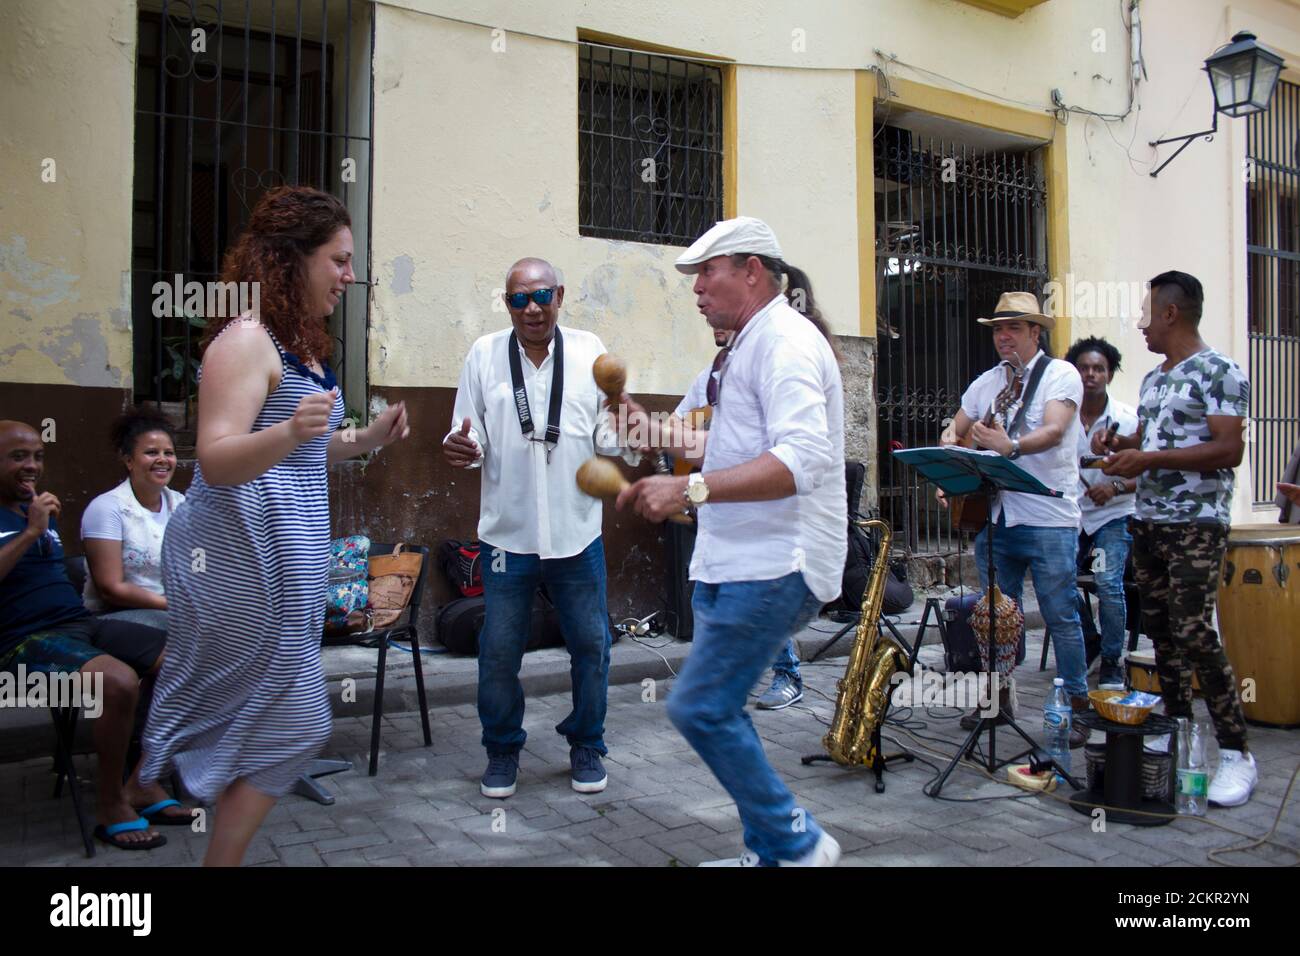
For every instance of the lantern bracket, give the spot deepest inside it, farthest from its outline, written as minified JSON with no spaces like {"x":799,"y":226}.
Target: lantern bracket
{"x":1186,"y":141}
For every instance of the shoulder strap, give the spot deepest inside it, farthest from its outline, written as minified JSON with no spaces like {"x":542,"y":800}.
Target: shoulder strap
{"x":556,"y":400}
{"x":1028,"y":396}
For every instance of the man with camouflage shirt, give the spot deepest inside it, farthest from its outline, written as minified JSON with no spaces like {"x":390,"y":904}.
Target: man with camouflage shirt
{"x":1191,"y":417}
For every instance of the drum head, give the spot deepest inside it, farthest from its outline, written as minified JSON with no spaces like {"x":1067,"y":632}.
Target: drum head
{"x":1269,"y":535}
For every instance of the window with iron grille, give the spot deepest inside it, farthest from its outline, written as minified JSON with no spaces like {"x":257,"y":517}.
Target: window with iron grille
{"x":232,"y":99}
{"x":649,"y":146}
{"x":1273,"y":286}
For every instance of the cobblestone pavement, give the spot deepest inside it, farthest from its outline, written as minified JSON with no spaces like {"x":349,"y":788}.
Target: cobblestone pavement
{"x":662,"y":806}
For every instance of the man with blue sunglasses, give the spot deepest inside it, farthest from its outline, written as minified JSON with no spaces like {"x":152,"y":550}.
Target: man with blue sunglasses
{"x":527,"y":414}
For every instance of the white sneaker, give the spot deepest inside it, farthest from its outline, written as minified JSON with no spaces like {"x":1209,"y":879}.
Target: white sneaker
{"x":748,"y":858}
{"x":825,"y":853}
{"x":1235,"y":779}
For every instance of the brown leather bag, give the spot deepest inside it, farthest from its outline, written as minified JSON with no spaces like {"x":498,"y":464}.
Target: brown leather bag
{"x":392,"y":582}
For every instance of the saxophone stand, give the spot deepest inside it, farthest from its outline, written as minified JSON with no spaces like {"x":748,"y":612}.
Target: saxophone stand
{"x":879,"y":762}
{"x":959,"y":471}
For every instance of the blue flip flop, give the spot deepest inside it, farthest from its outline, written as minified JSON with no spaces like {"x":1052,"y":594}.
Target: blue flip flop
{"x":154,"y":814}
{"x":108,"y":833}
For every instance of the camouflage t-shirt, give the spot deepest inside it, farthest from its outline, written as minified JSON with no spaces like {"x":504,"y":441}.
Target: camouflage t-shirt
{"x":1173,"y":411}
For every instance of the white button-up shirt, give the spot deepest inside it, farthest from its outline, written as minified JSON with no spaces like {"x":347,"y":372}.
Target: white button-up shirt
{"x":1057,"y":467}
{"x":1122,"y":505}
{"x":697,"y":396}
{"x":779,"y":392}
{"x":529,"y":506}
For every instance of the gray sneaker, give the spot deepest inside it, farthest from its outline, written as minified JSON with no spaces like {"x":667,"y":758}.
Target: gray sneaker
{"x":783,"y":692}
{"x":588,"y":773}
{"x":499,"y":778}
{"x":1111,"y":676}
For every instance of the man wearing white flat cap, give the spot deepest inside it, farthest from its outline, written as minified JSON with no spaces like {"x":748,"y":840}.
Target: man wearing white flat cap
{"x":771,"y":509}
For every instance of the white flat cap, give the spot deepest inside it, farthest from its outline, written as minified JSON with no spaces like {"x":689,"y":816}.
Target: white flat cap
{"x":742,"y":234}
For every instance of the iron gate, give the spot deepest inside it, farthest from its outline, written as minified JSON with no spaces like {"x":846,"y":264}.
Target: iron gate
{"x":956,"y":226}
{"x":1273,"y":283}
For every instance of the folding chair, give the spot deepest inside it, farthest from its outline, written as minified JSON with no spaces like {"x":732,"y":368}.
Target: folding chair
{"x":406,"y":628}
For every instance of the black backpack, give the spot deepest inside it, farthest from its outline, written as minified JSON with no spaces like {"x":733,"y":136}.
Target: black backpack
{"x":461,"y":620}
{"x":861,"y":557}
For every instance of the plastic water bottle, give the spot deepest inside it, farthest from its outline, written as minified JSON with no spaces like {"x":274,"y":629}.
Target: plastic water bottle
{"x":1057,"y":714}
{"x":1193,"y":782}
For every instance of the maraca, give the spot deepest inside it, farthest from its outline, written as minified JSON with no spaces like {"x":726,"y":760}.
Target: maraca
{"x":600,"y":478}
{"x":610,"y":373}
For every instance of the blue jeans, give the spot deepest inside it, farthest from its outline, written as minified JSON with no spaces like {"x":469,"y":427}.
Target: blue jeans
{"x":1114,"y":541}
{"x":577,"y":588}
{"x":1051,"y":554}
{"x":739,"y":628}
{"x":787,"y":662}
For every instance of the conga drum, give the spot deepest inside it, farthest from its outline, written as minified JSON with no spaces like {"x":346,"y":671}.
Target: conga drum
{"x":1259,"y":619}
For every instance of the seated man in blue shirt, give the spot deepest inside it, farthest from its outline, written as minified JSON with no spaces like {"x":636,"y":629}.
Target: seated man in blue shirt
{"x":46,"y":629}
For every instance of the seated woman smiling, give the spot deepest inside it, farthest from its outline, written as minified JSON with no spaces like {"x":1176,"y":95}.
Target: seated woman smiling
{"x":123,"y":529}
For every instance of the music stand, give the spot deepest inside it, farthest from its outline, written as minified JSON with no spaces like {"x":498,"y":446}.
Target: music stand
{"x":964,"y":471}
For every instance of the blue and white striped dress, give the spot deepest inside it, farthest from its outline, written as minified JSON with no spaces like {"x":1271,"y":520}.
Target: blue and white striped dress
{"x":241,"y":693}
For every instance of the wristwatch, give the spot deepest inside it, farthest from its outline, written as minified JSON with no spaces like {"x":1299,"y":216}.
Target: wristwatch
{"x":1015,"y":450}
{"x":1121,"y":488}
{"x":697,"y":492}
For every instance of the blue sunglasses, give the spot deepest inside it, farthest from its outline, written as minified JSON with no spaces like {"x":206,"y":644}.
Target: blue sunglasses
{"x":518,"y":300}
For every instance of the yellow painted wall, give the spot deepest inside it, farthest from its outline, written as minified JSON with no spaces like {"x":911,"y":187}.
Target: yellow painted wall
{"x":66,"y":94}
{"x":1127,"y":227}
{"x":452,"y":211}
{"x":797,"y":172}
{"x":476,"y":164}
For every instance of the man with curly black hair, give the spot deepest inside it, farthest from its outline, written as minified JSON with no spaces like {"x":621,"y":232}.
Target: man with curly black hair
{"x":1105,"y":506}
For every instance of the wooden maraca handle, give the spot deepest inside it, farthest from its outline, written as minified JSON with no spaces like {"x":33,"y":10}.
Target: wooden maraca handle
{"x":610,"y":373}
{"x":600,"y":478}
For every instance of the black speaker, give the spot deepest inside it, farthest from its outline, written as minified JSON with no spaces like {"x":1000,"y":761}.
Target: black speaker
{"x":679,"y":545}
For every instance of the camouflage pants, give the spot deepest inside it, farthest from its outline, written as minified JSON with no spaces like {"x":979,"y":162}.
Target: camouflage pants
{"x":1177,"y":569}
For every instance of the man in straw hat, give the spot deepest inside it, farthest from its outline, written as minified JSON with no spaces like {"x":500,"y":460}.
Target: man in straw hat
{"x":1026,"y":408}
{"x":771,"y":509}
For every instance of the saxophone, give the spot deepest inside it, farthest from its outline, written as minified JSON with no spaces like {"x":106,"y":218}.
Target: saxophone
{"x":864,"y":688}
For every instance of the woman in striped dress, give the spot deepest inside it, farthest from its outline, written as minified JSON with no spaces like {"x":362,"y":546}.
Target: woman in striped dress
{"x":240,"y":706}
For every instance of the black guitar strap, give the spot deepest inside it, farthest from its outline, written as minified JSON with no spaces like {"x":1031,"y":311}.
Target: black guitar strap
{"x":521,"y":395}
{"x":1028,"y":394}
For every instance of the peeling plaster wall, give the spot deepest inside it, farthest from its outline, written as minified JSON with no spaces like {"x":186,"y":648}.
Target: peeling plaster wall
{"x":477,"y":161}
{"x":489,"y":173}
{"x":66,"y":94}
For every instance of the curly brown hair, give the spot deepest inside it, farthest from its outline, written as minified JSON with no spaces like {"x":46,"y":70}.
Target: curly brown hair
{"x":287,"y":225}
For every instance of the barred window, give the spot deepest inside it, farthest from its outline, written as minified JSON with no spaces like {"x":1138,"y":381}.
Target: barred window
{"x":649,"y":146}
{"x":231,"y":100}
{"x":1273,"y":286}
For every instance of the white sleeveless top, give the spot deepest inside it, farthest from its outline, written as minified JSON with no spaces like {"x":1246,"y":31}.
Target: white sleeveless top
{"x":117,"y":516}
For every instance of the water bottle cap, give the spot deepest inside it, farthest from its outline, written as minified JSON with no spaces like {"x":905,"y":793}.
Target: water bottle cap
{"x":1058,"y":681}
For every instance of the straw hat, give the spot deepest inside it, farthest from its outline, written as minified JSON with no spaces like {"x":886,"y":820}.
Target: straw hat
{"x":1019,"y":305}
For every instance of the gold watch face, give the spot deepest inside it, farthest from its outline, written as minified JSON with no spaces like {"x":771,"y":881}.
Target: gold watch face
{"x":698,"y":492}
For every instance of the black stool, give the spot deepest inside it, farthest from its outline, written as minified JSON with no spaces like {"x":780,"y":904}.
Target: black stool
{"x":1122,"y":782}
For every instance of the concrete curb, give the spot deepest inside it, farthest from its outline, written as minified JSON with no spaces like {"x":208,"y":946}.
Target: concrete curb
{"x":451,"y":681}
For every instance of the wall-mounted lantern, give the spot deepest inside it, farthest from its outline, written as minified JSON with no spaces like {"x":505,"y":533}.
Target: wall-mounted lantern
{"x":1242,"y":75}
